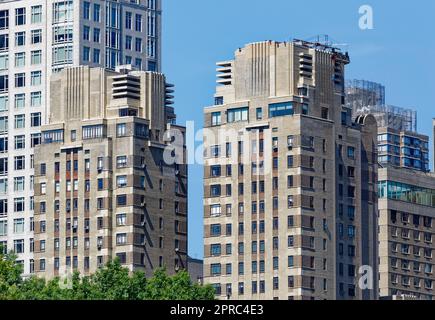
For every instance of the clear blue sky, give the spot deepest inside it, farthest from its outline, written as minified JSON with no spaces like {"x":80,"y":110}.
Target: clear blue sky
{"x":399,"y":53}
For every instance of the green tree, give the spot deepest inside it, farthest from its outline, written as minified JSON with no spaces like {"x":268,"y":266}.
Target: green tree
{"x":113,"y":282}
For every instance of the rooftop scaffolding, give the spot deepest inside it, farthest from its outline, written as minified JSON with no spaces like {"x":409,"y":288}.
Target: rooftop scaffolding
{"x":365,"y":97}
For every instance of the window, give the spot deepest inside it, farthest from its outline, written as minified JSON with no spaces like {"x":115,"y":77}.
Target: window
{"x":19,"y":205}
{"x":290,"y":162}
{"x":19,"y":183}
{"x":138,"y":22}
{"x":4,"y":42}
{"x":86,"y":10}
{"x":86,"y":53}
{"x":36,"y":36}
{"x":97,"y":12}
{"x":236,"y":115}
{"x":3,"y":228}
{"x":62,"y":34}
{"x":121,"y":239}
{"x":19,"y":246}
{"x":92,"y":132}
{"x":20,"y":80}
{"x":62,"y":55}
{"x":121,"y":162}
{"x":36,"y":14}
{"x":20,"y":59}
{"x":121,"y":181}
{"x":215,"y":118}
{"x":138,"y":45}
{"x":4,"y":19}
{"x":215,"y":269}
{"x":18,"y":226}
{"x":35,"y":119}
{"x":281,"y":109}
{"x":215,"y":230}
{"x":86,"y":32}
{"x":128,"y":20}
{"x":19,"y":142}
{"x":351,"y":152}
{"x":20,"y":101}
{"x":20,"y":121}
{"x":36,"y":57}
{"x":259,"y":113}
{"x":121,"y":129}
{"x":35,"y":99}
{"x":20,"y":39}
{"x":121,"y":200}
{"x":96,"y":36}
{"x":4,"y":62}
{"x":3,"y":166}
{"x":20,"y":16}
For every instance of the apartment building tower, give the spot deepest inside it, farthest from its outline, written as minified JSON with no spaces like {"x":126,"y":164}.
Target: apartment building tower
{"x":406,"y":195}
{"x":39,"y":38}
{"x":290,"y":208}
{"x":106,"y":182}
{"x":406,"y":233}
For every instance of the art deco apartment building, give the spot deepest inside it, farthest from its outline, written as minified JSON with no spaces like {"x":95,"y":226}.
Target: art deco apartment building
{"x":41,"y":37}
{"x":290,"y":180}
{"x":105,"y":185}
{"x":406,"y":233}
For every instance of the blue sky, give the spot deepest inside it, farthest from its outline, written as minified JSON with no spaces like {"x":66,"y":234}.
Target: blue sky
{"x":399,"y":52}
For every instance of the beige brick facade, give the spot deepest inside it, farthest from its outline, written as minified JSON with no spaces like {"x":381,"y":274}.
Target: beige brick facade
{"x":103,"y":188}
{"x":290,"y":204}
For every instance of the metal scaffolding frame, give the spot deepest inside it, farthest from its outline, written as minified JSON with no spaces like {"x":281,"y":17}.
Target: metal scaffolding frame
{"x":365,"y":97}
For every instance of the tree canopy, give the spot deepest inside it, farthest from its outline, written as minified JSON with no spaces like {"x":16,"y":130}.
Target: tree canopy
{"x":113,"y":282}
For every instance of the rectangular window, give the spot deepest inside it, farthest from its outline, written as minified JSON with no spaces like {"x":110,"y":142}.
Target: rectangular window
{"x":35,"y":99}
{"x":36,"y":14}
{"x":20,"y":101}
{"x":215,"y":118}
{"x":20,"y":16}
{"x":97,"y":12}
{"x":4,"y":42}
{"x":86,"y":10}
{"x":236,"y":115}
{"x":4,"y":19}
{"x":20,"y":59}
{"x":280,"y":109}
{"x":36,"y":57}
{"x":20,"y":80}
{"x":4,"y":62}
{"x":86,"y":32}
{"x":96,"y":56}
{"x":138,"y":22}
{"x":36,"y":36}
